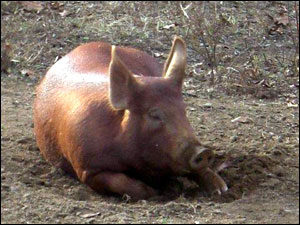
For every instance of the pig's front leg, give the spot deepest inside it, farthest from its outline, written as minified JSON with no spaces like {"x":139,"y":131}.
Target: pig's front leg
{"x":211,"y":181}
{"x":121,"y":184}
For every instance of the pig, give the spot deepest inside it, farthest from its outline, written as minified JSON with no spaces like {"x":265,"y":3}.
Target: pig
{"x":114,"y":118}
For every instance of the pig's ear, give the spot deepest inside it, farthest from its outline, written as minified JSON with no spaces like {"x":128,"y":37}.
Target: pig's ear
{"x":175,"y":65}
{"x":121,"y":84}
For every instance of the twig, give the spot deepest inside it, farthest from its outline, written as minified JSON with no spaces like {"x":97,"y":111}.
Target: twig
{"x":208,"y":57}
{"x":206,"y":49}
{"x":32,"y":59}
{"x":183,"y":10}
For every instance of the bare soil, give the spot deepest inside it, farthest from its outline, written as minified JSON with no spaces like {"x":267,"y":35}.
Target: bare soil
{"x":251,"y":114}
{"x":263,"y":179}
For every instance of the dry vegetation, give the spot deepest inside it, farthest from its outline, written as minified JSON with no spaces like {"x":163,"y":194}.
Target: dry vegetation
{"x":244,"y":47}
{"x":242,"y":93}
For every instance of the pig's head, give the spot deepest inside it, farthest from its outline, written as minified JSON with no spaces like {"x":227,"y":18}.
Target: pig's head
{"x":155,"y":120}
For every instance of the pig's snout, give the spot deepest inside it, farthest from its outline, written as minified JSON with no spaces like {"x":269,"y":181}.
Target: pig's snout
{"x":202,"y":158}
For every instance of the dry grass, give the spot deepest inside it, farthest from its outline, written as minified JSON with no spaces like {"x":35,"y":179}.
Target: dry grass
{"x":237,"y":46}
{"x":235,"y":49}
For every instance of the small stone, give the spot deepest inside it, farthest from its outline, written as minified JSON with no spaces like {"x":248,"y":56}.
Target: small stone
{"x":233,"y":138}
{"x":207,"y":105}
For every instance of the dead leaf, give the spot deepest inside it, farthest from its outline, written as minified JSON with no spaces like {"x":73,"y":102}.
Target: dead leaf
{"x":168,"y":27}
{"x":32,"y":5}
{"x":283,"y":19}
{"x":279,"y":23}
{"x":57,"y":5}
{"x":242,"y":119}
{"x":89,"y":215}
{"x":64,"y":13}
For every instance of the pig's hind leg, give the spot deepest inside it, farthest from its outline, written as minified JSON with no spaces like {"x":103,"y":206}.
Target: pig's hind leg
{"x":121,"y":184}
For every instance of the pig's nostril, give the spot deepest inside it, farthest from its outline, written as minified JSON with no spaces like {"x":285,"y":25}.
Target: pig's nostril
{"x":202,"y":158}
{"x":198,"y":159}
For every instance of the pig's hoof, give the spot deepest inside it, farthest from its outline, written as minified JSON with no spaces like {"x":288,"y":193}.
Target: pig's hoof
{"x":219,"y":188}
{"x":147,"y":193}
{"x":213,"y":183}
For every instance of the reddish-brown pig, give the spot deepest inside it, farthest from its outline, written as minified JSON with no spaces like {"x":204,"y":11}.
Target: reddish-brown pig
{"x":114,"y":118}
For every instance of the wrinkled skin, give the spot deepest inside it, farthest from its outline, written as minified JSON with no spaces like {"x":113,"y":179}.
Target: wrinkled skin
{"x":114,"y":118}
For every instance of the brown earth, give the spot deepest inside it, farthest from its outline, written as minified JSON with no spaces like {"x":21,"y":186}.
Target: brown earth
{"x":252,"y":114}
{"x":263,"y":179}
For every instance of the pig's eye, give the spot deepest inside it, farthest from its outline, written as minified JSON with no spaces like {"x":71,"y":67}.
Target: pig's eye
{"x":155,"y":114}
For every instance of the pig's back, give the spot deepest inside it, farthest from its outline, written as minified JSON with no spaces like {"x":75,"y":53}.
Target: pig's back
{"x":94,"y":58}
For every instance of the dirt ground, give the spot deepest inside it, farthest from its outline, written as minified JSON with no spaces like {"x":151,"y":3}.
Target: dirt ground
{"x":252,"y":115}
{"x":263,"y":180}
